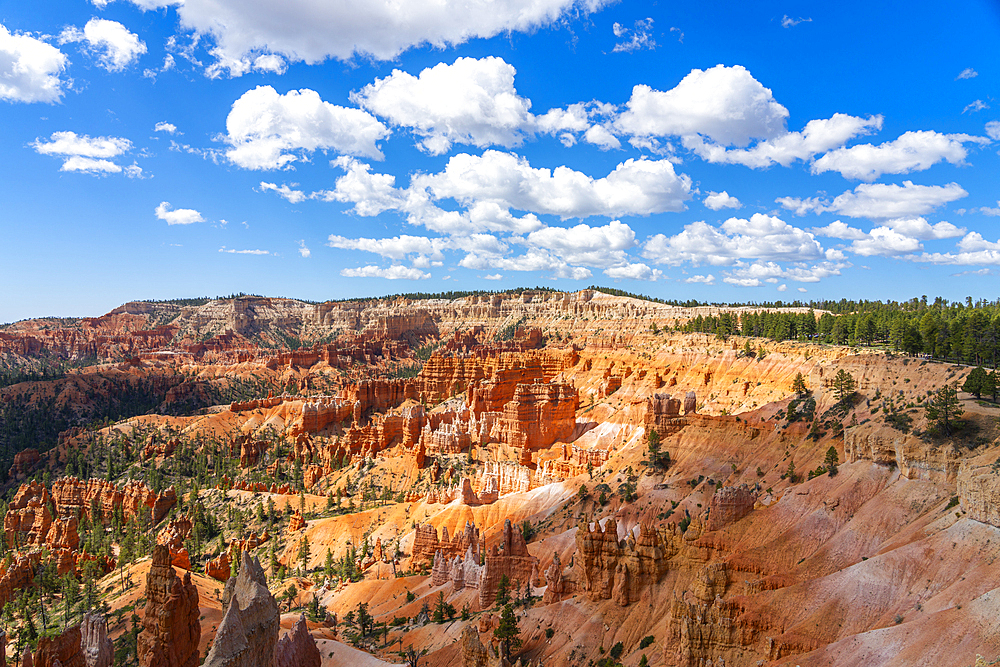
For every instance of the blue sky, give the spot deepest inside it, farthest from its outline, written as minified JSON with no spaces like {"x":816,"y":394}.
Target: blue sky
{"x":728,"y":152}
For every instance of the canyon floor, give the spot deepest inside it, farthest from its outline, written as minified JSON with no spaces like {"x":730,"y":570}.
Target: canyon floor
{"x":637,"y":495}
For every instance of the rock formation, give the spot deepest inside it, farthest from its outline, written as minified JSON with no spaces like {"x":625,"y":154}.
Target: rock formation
{"x":607,"y":568}
{"x":730,"y":504}
{"x":297,"y":648}
{"x":171,"y":628}
{"x":554,"y":581}
{"x":248,"y":633}
{"x":63,"y":650}
{"x":426,"y":544}
{"x":76,"y":497}
{"x":510,"y":558}
{"x":98,"y":651}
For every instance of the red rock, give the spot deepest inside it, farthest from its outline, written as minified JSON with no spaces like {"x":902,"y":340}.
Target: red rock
{"x":24,"y":462}
{"x":63,"y":649}
{"x":730,"y":504}
{"x":98,"y":650}
{"x":605,"y":569}
{"x":297,"y":648}
{"x":296,"y":522}
{"x":553,"y":581}
{"x":28,"y":518}
{"x":170,"y":627}
{"x":219,"y":568}
{"x":248,"y":633}
{"x":511,"y":559}
{"x":426,"y":544}
{"x":76,"y":497}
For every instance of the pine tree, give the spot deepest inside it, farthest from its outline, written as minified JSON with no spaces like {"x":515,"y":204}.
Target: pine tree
{"x":507,"y":633}
{"x":944,"y":408}
{"x":976,"y":381}
{"x":503,"y":591}
{"x":799,"y":385}
{"x":843,"y":386}
{"x":831,"y":460}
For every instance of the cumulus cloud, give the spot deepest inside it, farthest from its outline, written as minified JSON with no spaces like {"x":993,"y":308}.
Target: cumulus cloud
{"x":993,"y":130}
{"x":725,"y":104}
{"x":494,"y":276}
{"x":590,"y":246}
{"x":919,"y":228}
{"x":635,"y":187}
{"x":761,"y":237}
{"x":164,"y":126}
{"x":720,"y":200}
{"x":839,"y":230}
{"x":83,"y":153}
{"x":29,"y":68}
{"x":284,"y":191}
{"x":314,"y":30}
{"x":913,"y":151}
{"x":637,"y":38}
{"x":111,"y":43}
{"x":967,"y":73}
{"x":878,"y":200}
{"x":397,"y":247}
{"x":758,"y":273}
{"x":180,"y":216}
{"x":395,"y":272}
{"x":535,"y":259}
{"x":818,"y":136}
{"x":704,"y":280}
{"x":886,"y":242}
{"x":303,"y":250}
{"x":470,"y":102}
{"x":637,"y":271}
{"x":268,"y":131}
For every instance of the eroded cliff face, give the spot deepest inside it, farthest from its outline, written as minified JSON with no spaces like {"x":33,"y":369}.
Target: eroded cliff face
{"x":248,"y":634}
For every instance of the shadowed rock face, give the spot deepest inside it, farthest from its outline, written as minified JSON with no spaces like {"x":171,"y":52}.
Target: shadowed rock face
{"x":297,"y":648}
{"x":170,"y":627}
{"x":98,"y":651}
{"x":248,"y":633}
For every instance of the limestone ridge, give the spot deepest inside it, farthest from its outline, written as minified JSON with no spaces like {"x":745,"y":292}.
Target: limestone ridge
{"x":170,"y":628}
{"x":297,"y":648}
{"x":248,"y":634}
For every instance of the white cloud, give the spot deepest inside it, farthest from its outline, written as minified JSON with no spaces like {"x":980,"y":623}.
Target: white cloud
{"x":164,"y":126}
{"x":975,"y":105}
{"x":638,"y":38}
{"x":470,"y":102}
{"x":114,"y":46}
{"x":270,"y":63}
{"x":535,"y":259}
{"x":397,"y":247}
{"x":967,"y":73}
{"x":788,"y":22}
{"x":720,"y":200}
{"x":758,"y":273}
{"x":601,"y":137}
{"x":268,"y":131}
{"x":782,"y":288}
{"x":839,"y":230}
{"x":637,"y":271}
{"x":725,"y":104}
{"x":90,"y":165}
{"x":990,"y":211}
{"x":395,"y":272}
{"x":635,"y":187}
{"x":70,"y":143}
{"x":878,"y":200}
{"x":82,"y":153}
{"x":242,"y":252}
{"x":314,"y":30}
{"x":495,"y":276}
{"x":591,"y":246}
{"x":913,"y":151}
{"x":704,"y":280}
{"x":993,"y":130}
{"x":760,"y":237}
{"x":919,"y":228}
{"x":180,"y":216}
{"x":29,"y":68}
{"x":818,"y":136}
{"x":283,"y":191}
{"x":886,"y":242}
{"x":303,"y":250}
{"x":802,"y":289}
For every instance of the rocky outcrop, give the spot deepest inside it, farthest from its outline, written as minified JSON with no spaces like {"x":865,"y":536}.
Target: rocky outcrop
{"x":76,"y":497}
{"x":28,"y":517}
{"x":171,"y":628}
{"x":248,"y":633}
{"x":538,"y":415}
{"x":511,"y":559}
{"x":219,"y":568}
{"x":16,"y":573}
{"x":915,"y":458}
{"x":98,"y":651}
{"x":297,"y":648}
{"x":426,"y":544}
{"x":554,"y":584}
{"x":296,"y":522}
{"x":474,"y":654}
{"x":63,"y":650}
{"x":730,"y":504}
{"x":173,"y":535}
{"x":607,"y":568}
{"x":979,"y":488}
